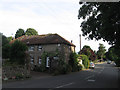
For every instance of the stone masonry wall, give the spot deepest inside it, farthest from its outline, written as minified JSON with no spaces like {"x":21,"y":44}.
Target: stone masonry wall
{"x":13,"y":72}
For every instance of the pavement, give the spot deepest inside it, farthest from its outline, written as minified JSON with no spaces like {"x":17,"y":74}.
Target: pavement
{"x":36,"y":75}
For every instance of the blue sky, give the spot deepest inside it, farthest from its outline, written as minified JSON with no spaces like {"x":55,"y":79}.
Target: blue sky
{"x":46,"y":16}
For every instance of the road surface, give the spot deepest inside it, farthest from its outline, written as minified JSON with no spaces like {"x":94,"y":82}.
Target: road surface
{"x":103,"y":76}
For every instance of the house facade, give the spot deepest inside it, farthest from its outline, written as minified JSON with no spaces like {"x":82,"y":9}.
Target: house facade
{"x":50,"y":43}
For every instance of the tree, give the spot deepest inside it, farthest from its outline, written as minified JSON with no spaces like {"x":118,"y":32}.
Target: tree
{"x":86,"y":50}
{"x":101,"y":20}
{"x":101,"y":51}
{"x":4,"y":40}
{"x":31,"y":31}
{"x":20,"y":32}
{"x":111,"y":55}
{"x":17,"y":52}
{"x":9,"y":38}
{"x":5,"y":47}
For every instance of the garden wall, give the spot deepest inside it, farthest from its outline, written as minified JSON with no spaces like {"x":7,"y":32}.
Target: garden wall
{"x":15,"y":72}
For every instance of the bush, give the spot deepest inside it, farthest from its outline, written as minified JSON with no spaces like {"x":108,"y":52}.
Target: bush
{"x":81,"y":66}
{"x":17,"y":52}
{"x":85,"y":61}
{"x":62,"y":68}
{"x":73,"y":62}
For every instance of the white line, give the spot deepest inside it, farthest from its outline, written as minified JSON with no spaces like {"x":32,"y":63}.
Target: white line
{"x":65,"y":85}
{"x":90,"y":77}
{"x":91,"y":80}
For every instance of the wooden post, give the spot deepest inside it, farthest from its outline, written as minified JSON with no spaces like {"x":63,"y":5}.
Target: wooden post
{"x":80,"y":42}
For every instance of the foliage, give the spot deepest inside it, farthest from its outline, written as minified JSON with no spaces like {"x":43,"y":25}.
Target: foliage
{"x":62,"y":68}
{"x":101,"y":51}
{"x":4,"y":40}
{"x":9,"y":38}
{"x":101,"y":20}
{"x":5,"y":47}
{"x":85,"y":61}
{"x":6,"y":51}
{"x":73,"y":62}
{"x":17,"y":52}
{"x":111,"y":55}
{"x":43,"y":62}
{"x":20,"y":32}
{"x":31,"y":31}
{"x":86,"y":50}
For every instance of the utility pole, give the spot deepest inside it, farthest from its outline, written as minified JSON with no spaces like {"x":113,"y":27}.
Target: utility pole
{"x":80,"y":41}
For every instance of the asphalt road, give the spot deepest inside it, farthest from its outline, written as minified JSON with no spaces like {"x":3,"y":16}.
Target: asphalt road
{"x":103,"y":76}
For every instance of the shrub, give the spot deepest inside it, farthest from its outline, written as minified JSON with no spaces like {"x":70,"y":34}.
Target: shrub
{"x":73,"y":62}
{"x":85,"y":61}
{"x":17,"y":52}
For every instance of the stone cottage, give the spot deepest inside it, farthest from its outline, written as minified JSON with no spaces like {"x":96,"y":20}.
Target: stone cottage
{"x":38,"y":44}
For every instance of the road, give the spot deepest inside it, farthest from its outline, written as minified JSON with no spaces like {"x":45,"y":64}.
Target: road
{"x":103,"y":76}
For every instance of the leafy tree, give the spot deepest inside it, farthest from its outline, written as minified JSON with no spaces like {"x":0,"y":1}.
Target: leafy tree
{"x":101,"y":20}
{"x":101,"y":51}
{"x":86,"y":50}
{"x":4,"y":40}
{"x":20,"y":32}
{"x":17,"y":52}
{"x":5,"y":47}
{"x":6,"y":51}
{"x":31,"y":31}
{"x":111,"y":55}
{"x":10,"y":38}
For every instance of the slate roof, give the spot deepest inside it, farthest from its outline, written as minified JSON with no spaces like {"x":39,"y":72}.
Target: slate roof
{"x":43,"y":39}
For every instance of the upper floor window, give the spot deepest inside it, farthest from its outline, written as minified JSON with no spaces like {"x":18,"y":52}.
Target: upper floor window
{"x":31,"y":48}
{"x":58,"y":45}
{"x":39,"y":48}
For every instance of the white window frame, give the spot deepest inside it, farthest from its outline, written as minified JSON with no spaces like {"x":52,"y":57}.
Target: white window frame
{"x":32,"y":60}
{"x":31,"y":48}
{"x":39,"y":48}
{"x":40,"y":60}
{"x":58,"y":45}
{"x":47,"y":62}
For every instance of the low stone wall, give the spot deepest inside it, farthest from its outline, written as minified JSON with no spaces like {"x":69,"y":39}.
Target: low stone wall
{"x":15,"y":72}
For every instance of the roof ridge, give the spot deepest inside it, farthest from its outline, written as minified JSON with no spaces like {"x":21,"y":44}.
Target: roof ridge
{"x":44,"y":39}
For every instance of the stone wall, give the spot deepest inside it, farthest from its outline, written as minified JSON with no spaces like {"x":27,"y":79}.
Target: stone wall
{"x":15,"y":72}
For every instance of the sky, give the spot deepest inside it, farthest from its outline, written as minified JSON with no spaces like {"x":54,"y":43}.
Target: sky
{"x":45,"y":16}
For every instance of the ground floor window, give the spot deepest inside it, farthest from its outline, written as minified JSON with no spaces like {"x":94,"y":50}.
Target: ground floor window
{"x":47,"y":62}
{"x":32,"y":60}
{"x":39,"y":60}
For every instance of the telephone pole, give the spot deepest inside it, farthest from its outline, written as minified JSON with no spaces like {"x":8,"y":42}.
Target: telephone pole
{"x":80,"y":41}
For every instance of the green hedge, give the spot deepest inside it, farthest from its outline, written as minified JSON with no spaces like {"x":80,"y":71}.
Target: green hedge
{"x":85,"y":61}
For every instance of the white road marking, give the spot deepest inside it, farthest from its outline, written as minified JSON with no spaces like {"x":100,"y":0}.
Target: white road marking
{"x":91,"y":80}
{"x":65,"y":85}
{"x":90,"y":77}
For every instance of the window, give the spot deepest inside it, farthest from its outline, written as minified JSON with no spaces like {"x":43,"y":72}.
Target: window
{"x":31,"y":48}
{"x":39,"y":48}
{"x":48,"y":62}
{"x":58,"y":45}
{"x":39,"y":60}
{"x":32,"y":59}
